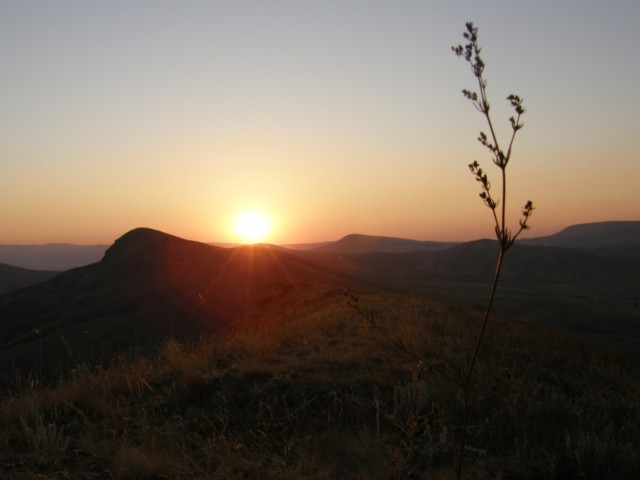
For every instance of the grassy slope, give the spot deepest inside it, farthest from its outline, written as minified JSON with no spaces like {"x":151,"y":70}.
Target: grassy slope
{"x":310,"y":390}
{"x":148,"y":285}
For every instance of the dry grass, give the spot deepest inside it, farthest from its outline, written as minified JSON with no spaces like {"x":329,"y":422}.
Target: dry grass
{"x":312,"y":391}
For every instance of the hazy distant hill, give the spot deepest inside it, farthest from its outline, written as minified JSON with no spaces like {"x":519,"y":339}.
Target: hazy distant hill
{"x":611,"y":238}
{"x":305,"y":246}
{"x":52,"y":256}
{"x":13,"y":278}
{"x":357,"y":243}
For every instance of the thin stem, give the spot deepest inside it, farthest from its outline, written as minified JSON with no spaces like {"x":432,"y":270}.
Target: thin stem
{"x":463,"y":439}
{"x":503,"y":228}
{"x":513,"y":136}
{"x":523,"y":226}
{"x":467,"y":380}
{"x":498,"y":152}
{"x":486,"y":317}
{"x":495,"y":217}
{"x":485,"y":111}
{"x":471,"y":53}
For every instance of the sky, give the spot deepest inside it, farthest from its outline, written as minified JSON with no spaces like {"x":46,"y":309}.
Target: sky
{"x":331,"y":117}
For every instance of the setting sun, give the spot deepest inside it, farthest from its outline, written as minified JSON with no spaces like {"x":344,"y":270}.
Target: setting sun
{"x":252,"y":227}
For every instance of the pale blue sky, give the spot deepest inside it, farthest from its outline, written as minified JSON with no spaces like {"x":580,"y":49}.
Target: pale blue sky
{"x":333,"y":117}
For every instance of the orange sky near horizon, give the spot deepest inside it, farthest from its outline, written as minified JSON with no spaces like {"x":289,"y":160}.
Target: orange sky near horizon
{"x":180,"y":117}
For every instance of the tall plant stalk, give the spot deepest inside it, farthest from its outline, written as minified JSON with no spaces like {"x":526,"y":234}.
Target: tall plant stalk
{"x":506,"y":238}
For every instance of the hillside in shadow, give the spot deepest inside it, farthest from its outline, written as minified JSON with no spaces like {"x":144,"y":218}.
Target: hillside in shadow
{"x":312,"y":391}
{"x":15,"y":278}
{"x":148,"y":285}
{"x":151,"y":285}
{"x":594,"y":295}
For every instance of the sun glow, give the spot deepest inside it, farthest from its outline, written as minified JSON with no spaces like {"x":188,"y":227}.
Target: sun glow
{"x":252,"y":227}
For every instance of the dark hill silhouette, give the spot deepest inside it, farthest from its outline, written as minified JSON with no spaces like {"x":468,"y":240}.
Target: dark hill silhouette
{"x":610,"y":238}
{"x":357,"y":243}
{"x":148,"y":285}
{"x":14,"y":278}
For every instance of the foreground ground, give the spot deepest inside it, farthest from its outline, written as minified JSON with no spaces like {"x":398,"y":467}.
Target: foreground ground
{"x":310,"y":388}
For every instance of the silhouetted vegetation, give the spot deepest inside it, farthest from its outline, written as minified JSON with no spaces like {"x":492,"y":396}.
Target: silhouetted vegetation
{"x":311,"y":392}
{"x":500,"y":157}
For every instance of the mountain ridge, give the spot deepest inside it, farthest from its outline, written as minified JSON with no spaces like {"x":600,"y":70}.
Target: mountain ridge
{"x":620,"y":238}
{"x":148,"y":285}
{"x":358,"y":243}
{"x":609,"y":237}
{"x":51,"y":256}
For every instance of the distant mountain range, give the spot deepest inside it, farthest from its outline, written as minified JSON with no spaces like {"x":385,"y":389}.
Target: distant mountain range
{"x":149,"y":285}
{"x":52,"y":256}
{"x":356,"y":243}
{"x":609,"y":238}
